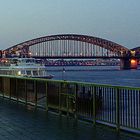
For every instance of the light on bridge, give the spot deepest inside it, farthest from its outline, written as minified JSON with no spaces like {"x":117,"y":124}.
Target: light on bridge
{"x":133,"y":53}
{"x":30,"y":53}
{"x":133,"y":64}
{"x":133,"y":61}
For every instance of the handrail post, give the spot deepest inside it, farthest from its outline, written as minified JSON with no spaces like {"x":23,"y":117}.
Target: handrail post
{"x":35,"y":93}
{"x":94,"y":105}
{"x":10,"y":89}
{"x":1,"y":90}
{"x":75,"y":109}
{"x":46,"y":85}
{"x":17,"y":90}
{"x":59,"y":94}
{"x":117,"y":110}
{"x":25,"y":91}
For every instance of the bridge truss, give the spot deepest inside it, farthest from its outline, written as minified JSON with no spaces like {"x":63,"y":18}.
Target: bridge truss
{"x":68,"y":46}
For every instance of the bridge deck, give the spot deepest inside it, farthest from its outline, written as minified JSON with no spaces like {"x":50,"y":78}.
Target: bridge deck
{"x":18,"y":122}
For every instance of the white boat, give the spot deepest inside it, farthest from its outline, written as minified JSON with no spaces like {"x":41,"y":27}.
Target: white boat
{"x":24,"y":67}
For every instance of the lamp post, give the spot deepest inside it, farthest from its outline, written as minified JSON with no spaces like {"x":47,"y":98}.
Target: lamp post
{"x":63,"y":71}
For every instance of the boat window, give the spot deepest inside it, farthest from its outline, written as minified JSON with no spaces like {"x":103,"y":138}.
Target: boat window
{"x":40,"y":72}
{"x":14,"y":61}
{"x":35,"y":72}
{"x":30,"y":61}
{"x":38,"y":61}
{"x":45,"y":72}
{"x":28,"y":72}
{"x":23,"y":72}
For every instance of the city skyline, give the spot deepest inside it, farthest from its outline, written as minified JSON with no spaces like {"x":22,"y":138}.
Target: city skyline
{"x":117,"y":21}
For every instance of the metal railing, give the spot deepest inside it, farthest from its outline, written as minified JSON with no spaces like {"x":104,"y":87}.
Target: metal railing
{"x":115,"y":106}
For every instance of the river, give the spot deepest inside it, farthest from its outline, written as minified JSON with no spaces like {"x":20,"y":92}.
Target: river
{"x":97,"y":74}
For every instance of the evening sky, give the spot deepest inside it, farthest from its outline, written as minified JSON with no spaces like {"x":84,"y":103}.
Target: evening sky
{"x":115,"y":20}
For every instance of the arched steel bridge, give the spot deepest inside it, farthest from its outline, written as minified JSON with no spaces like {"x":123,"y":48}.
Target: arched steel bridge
{"x":68,"y":46}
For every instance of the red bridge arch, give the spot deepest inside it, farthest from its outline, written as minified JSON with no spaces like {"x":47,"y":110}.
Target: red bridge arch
{"x":103,"y":43}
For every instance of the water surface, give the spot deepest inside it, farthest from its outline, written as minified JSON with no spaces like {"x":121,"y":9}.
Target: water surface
{"x":97,"y":74}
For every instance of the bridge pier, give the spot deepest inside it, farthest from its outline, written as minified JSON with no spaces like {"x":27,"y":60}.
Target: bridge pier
{"x":129,"y":63}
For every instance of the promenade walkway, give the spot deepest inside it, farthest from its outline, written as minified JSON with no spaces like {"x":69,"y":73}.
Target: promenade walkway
{"x":20,"y":123}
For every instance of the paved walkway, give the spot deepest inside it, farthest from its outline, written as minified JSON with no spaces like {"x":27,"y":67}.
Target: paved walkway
{"x":20,"y":123}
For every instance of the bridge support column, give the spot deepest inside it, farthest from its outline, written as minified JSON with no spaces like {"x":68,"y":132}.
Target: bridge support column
{"x":129,"y":63}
